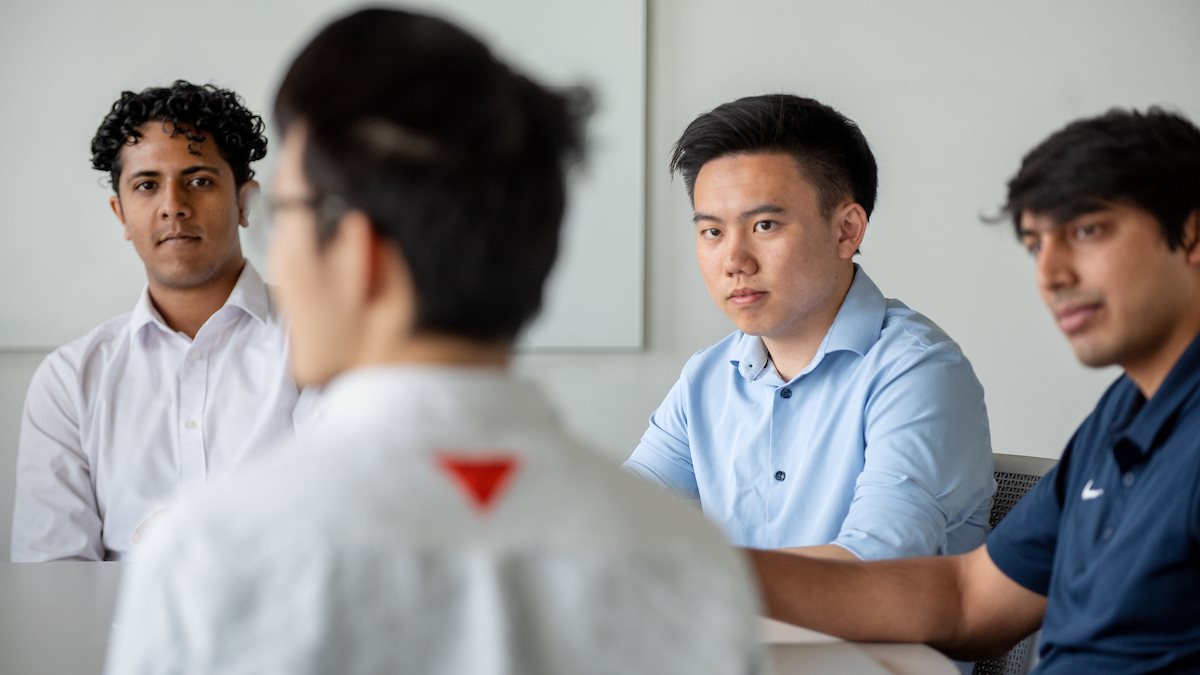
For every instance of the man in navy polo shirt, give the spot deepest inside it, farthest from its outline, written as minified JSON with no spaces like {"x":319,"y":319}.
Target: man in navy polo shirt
{"x":1105,"y":551}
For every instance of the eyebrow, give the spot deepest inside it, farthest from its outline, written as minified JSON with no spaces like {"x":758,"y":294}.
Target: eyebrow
{"x":749,"y":213}
{"x":198,"y":168}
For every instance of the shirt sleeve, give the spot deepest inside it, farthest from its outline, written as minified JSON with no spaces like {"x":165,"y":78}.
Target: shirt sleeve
{"x":664,"y":455}
{"x":928,"y":461}
{"x":55,"y":514}
{"x":1023,"y":544}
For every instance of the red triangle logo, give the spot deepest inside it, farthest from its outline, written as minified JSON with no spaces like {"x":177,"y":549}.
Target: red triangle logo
{"x":481,"y":477}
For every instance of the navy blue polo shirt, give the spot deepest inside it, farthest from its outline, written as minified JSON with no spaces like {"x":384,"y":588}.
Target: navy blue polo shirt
{"x":1111,"y":536}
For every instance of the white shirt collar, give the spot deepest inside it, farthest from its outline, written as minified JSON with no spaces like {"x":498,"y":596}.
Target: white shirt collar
{"x":431,"y":394}
{"x":249,"y":294}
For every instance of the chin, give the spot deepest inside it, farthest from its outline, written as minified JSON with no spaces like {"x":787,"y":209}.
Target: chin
{"x":748,"y":327}
{"x":1093,"y":356}
{"x":185,"y":279}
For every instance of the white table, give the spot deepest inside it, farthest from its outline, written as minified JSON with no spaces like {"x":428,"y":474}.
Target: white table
{"x":55,"y":619}
{"x":798,"y":650}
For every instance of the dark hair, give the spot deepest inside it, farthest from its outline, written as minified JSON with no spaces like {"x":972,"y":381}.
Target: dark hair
{"x":455,"y":158}
{"x":829,"y":147}
{"x":192,"y":110}
{"x":1150,"y":160}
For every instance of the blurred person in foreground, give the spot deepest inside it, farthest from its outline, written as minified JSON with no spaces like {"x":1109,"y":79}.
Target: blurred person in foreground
{"x":439,"y":519}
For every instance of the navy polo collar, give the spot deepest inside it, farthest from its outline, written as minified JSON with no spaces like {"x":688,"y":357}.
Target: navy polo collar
{"x":1148,"y":420}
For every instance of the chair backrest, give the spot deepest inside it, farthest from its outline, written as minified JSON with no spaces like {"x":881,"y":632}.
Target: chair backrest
{"x":1015,"y":475}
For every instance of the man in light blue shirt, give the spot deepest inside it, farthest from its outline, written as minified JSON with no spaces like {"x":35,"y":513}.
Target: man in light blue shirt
{"x":834,"y":420}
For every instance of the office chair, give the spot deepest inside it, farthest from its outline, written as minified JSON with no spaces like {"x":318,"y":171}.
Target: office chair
{"x":1015,"y":475}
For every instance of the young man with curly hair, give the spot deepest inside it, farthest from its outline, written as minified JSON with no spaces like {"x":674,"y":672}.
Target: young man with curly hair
{"x":195,"y":378}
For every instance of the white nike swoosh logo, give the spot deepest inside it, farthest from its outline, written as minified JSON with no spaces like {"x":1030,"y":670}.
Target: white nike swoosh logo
{"x":1090,"y":492}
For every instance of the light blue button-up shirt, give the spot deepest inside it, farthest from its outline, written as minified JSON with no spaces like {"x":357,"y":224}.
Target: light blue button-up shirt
{"x":881,"y":445}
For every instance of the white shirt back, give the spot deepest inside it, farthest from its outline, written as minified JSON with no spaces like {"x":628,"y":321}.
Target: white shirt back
{"x":363,"y":551}
{"x":118,"y":421}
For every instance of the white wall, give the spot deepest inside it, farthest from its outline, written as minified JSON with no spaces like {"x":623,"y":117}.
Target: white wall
{"x":86,"y":52}
{"x":15,"y":370}
{"x":950,"y":95}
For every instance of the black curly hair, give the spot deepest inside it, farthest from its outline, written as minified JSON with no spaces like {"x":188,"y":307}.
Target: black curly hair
{"x":192,"y":110}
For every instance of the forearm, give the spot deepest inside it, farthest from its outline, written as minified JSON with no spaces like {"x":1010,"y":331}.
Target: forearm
{"x":826,"y":551}
{"x":963,"y":605}
{"x":912,"y":600}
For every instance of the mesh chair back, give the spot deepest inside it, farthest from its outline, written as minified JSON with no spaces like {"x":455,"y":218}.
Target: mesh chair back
{"x":1015,"y":475}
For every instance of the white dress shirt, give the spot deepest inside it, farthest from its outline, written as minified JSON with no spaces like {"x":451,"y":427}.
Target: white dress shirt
{"x":358,"y":551}
{"x":116,"y":422}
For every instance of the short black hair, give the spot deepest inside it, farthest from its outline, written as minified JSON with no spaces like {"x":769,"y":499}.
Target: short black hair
{"x":193,"y":110}
{"x":1150,"y":160}
{"x":828,"y":146}
{"x":456,"y":159}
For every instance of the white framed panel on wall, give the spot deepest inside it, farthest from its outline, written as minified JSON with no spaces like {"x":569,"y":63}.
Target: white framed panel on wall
{"x":64,"y":266}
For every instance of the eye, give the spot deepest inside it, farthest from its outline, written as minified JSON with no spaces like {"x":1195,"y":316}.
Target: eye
{"x":1087,"y":230}
{"x":765,"y":226}
{"x":202,"y":181}
{"x":1033,"y":245}
{"x":144,"y":186}
{"x":710,"y":233}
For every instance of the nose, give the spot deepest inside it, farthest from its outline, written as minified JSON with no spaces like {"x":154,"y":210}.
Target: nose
{"x":175,"y":203}
{"x":1054,"y":264}
{"x":739,"y":258}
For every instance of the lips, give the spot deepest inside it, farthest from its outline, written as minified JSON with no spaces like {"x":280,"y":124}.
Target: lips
{"x":746,"y":296}
{"x":179,"y":238}
{"x":1074,"y":319}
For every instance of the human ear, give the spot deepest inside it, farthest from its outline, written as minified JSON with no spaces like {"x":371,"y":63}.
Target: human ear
{"x":852,"y":227}
{"x":114,"y":203}
{"x":246,"y":196}
{"x":1191,"y":238}
{"x":350,"y":257}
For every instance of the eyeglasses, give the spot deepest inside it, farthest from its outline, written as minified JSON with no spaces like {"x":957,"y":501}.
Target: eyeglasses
{"x":326,"y":207}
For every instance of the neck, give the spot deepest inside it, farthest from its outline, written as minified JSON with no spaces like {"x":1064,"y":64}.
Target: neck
{"x":187,"y":309}
{"x":792,"y":351}
{"x":1149,"y":372}
{"x":439,"y":350}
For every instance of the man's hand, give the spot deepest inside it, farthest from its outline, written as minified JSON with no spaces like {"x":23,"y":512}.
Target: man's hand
{"x":144,"y":527}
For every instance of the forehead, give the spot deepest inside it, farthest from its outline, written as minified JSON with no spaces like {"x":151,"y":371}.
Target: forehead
{"x":1130,"y":217}
{"x":1032,"y":222}
{"x":162,"y":146}
{"x":759,"y":176}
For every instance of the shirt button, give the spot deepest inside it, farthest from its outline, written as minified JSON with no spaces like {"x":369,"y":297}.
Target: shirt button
{"x":191,"y":424}
{"x":1127,"y":479}
{"x":786,"y":393}
{"x":779,"y":475}
{"x":1108,"y":533}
